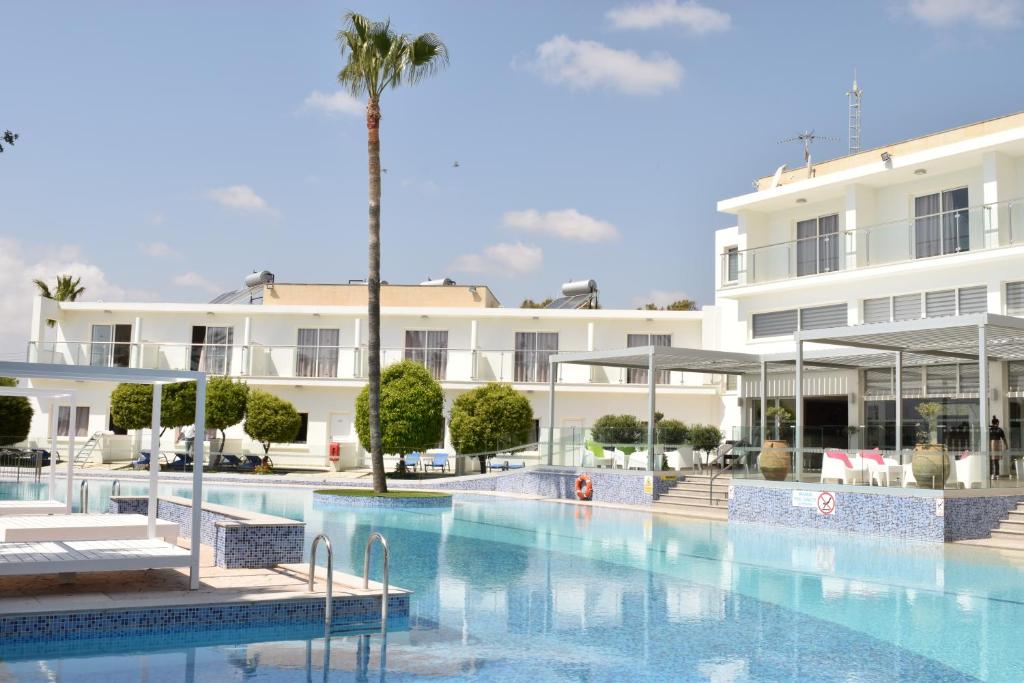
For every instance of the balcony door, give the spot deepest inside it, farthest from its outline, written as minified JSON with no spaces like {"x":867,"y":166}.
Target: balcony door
{"x":317,"y":354}
{"x":817,"y":246}
{"x":941,"y":223}
{"x":111,"y":346}
{"x":429,"y":347}
{"x":638,"y":375}
{"x":211,"y":349}
{"x":533,"y":351}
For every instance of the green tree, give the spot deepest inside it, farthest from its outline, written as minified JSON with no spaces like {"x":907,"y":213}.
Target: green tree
{"x":15,"y":415}
{"x":131,"y":405}
{"x":67,"y":288}
{"x":377,"y":58}
{"x":679,"y":305}
{"x":672,"y":432}
{"x":269,"y":419}
{"x":617,"y":429}
{"x":530,"y":303}
{"x":178,"y":404}
{"x":225,"y":404}
{"x":411,"y":410}
{"x":488,"y":418}
{"x":705,"y":437}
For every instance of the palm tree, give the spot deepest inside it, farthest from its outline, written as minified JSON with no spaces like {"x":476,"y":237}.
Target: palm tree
{"x":66,"y":289}
{"x":378,"y":59}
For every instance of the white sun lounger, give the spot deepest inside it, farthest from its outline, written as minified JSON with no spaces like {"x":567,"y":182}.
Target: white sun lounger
{"x":89,"y":527}
{"x":59,"y":557}
{"x":32,"y":507}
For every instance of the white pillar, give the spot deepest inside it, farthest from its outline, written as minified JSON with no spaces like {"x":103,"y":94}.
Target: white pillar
{"x":899,"y":406}
{"x":154,"y":459}
{"x":52,"y":492}
{"x":764,"y":401}
{"x":72,"y":428}
{"x":983,"y":398}
{"x":357,"y":342}
{"x":246,"y":351}
{"x":798,"y":437}
{"x":197,"y":481}
{"x":552,"y":377}
{"x":650,"y":412}
{"x":135,"y":353}
{"x":473,"y":327}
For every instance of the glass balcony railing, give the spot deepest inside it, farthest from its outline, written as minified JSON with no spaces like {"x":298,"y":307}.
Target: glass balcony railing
{"x":346,"y":362}
{"x":973,"y":229}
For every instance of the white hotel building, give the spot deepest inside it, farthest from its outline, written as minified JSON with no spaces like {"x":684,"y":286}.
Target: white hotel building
{"x":926,"y":227}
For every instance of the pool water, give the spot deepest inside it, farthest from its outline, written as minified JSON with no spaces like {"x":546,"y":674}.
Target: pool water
{"x":512,"y":590}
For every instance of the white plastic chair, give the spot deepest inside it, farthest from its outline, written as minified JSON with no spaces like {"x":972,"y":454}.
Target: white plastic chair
{"x":637,"y":460}
{"x":835,"y":469}
{"x":970,"y":470}
{"x":618,"y":457}
{"x":681,"y":458}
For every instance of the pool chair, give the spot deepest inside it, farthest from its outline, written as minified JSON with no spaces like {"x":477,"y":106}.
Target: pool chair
{"x":503,"y":465}
{"x":438,"y":462}
{"x":637,"y":460}
{"x":142,"y":462}
{"x":881,"y":471}
{"x":618,"y":458}
{"x":412,"y":461}
{"x":179,"y":464}
{"x":595,"y":456}
{"x":229,"y":462}
{"x":839,"y":467}
{"x":680,"y":458}
{"x":971,"y":471}
{"x":250,"y":463}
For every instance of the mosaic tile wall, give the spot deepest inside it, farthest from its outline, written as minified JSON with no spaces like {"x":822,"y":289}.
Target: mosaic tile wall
{"x":934,"y":518}
{"x":349,"y":613}
{"x":236,"y":544}
{"x":441,"y":501}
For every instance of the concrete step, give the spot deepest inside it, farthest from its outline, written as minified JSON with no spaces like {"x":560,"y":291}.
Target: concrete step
{"x":1008,"y":535}
{"x":696,"y":511}
{"x":700,"y":496}
{"x":1015,"y":525}
{"x":684,"y":502}
{"x":996,"y":543}
{"x":698,"y":487}
{"x":1018,"y":514}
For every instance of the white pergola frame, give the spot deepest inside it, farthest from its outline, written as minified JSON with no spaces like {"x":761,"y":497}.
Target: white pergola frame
{"x":53,"y":395}
{"x":157,"y":378}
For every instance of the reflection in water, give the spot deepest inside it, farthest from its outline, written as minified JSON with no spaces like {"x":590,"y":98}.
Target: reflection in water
{"x":508,"y":589}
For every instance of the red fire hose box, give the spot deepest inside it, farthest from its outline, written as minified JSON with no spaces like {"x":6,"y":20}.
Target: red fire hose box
{"x":334,"y":454}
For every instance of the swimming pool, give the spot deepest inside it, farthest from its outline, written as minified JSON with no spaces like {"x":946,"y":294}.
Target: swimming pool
{"x":508,"y":589}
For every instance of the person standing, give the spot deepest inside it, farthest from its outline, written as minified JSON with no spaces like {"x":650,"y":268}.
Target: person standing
{"x":189,"y":435}
{"x":996,"y":444}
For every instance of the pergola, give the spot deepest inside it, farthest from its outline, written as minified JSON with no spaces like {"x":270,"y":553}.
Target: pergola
{"x":68,"y":374}
{"x":52,"y":395}
{"x":976,"y":337}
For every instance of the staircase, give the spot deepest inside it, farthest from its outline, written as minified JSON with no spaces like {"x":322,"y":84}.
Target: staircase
{"x":689,"y":497}
{"x":85,"y":452}
{"x":1009,"y":535}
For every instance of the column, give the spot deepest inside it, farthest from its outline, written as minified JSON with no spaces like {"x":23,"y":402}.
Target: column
{"x":52,"y":490}
{"x":197,"y":481}
{"x":983,"y":399}
{"x":357,"y":342}
{"x":764,"y":401}
{"x":651,"y":465}
{"x":999,"y":178}
{"x":154,"y":459}
{"x":135,"y":354}
{"x":473,"y":343}
{"x":246,"y":341}
{"x":72,"y":428}
{"x":798,"y":437}
{"x":899,"y":406}
{"x":552,"y":376}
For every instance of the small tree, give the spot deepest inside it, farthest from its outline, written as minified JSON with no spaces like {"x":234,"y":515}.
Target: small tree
{"x":225,"y":404}
{"x":612,"y":429}
{"x":131,"y":406}
{"x":488,"y":418}
{"x":178,"y":405}
{"x":929,"y":412}
{"x":15,"y":415}
{"x":705,"y":437}
{"x":269,"y":419}
{"x":411,"y":409}
{"x":777,"y":415}
{"x":673,"y":432}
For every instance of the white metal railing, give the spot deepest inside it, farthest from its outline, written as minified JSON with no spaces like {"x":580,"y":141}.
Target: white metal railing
{"x":977,"y":228}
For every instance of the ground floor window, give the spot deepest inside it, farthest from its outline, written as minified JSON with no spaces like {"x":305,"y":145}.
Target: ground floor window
{"x":81,"y":420}
{"x":957,"y":426}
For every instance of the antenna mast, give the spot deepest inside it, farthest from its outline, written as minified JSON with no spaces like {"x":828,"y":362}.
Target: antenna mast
{"x":853,"y":96}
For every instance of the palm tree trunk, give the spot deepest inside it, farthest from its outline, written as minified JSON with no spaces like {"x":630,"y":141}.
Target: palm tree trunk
{"x":380,"y":484}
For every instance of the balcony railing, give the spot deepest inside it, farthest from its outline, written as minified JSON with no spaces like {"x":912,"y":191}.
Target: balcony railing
{"x":979,"y":228}
{"x":350,"y":363}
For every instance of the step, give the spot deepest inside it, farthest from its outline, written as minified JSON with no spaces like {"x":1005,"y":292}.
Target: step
{"x":996,"y":543}
{"x":718,"y":514}
{"x":1012,"y":525}
{"x":698,"y":487}
{"x":694,"y":495}
{"x":675,"y":502}
{"x":1008,"y":535}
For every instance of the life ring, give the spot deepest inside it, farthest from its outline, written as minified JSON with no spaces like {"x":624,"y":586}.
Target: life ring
{"x":584,"y":487}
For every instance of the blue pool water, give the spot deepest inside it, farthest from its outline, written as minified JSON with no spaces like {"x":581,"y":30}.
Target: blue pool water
{"x":510,"y":590}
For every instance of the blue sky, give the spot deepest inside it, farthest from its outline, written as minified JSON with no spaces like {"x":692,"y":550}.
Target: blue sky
{"x":167,"y":149}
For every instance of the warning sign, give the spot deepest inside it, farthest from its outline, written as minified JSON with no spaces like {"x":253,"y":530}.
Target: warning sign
{"x":827,"y":503}
{"x":649,"y":484}
{"x":940,"y":507}
{"x":805,"y":499}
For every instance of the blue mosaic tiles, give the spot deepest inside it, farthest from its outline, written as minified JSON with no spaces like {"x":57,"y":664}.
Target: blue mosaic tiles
{"x":349,"y":613}
{"x":440,"y":502}
{"x":976,"y":516}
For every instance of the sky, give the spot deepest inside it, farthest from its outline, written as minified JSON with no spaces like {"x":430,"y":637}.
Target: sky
{"x":167,"y":149}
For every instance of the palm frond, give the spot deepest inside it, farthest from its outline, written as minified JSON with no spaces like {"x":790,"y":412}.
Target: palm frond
{"x":427,"y":55}
{"x":44,"y":289}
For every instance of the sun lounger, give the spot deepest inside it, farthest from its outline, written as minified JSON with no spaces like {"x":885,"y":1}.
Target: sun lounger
{"x":439,"y":461}
{"x":60,"y":557}
{"x":637,"y":460}
{"x":840,"y":467}
{"x":142,"y":462}
{"x":412,"y":461}
{"x":82,"y":527}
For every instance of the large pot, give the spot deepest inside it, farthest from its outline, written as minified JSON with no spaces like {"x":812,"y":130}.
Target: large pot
{"x":930,"y":465}
{"x":774,"y":460}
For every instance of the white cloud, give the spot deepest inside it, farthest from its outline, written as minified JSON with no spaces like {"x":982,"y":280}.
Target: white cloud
{"x":983,"y":13}
{"x":660,"y":297}
{"x":586,"y":64}
{"x":568,"y":224}
{"x":18,"y":269}
{"x":157,"y":250}
{"x":240,"y":197}
{"x":339,"y":102}
{"x":691,"y":15}
{"x":197,"y":281}
{"x":503,"y":259}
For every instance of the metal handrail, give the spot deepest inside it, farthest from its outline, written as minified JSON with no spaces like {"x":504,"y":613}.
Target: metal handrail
{"x":115,"y":488}
{"x":330,"y":574}
{"x":366,"y":575}
{"x":83,"y":496}
{"x":722,"y":468}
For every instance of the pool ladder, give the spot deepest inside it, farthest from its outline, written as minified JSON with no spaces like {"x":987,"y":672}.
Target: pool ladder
{"x":328,"y":603}
{"x":83,"y":496}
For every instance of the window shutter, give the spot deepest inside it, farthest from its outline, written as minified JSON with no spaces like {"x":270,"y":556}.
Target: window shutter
{"x":1015,"y":298}
{"x":941,"y":380}
{"x":906,"y":307}
{"x":940,"y":303}
{"x":774,"y":324}
{"x":878,"y":382}
{"x":823,"y":316}
{"x":1016,"y":372}
{"x":968,"y":378}
{"x":973,"y":299}
{"x":877,"y":310}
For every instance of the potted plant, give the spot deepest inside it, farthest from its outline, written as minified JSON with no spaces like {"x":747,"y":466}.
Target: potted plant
{"x":774,"y":457}
{"x":929,"y":463}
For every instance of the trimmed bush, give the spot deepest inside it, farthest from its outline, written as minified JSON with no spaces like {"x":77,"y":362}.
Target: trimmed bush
{"x":269,"y":419}
{"x":613,"y":429}
{"x":489,"y":418}
{"x":411,"y":410}
{"x":673,"y":432}
{"x":705,"y":437}
{"x":225,"y":404}
{"x":15,"y":415}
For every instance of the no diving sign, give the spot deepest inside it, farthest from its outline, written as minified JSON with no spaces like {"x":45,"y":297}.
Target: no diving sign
{"x":827,"y":503}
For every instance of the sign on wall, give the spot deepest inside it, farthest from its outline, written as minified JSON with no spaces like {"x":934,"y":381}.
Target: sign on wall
{"x":805,"y":499}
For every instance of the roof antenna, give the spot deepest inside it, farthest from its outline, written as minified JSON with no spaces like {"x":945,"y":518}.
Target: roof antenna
{"x":807,"y":137}
{"x":853,"y":96}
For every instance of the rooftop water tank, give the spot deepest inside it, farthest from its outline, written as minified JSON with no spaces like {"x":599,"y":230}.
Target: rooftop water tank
{"x":579,"y":287}
{"x":254,"y":279}
{"x":445,"y":282}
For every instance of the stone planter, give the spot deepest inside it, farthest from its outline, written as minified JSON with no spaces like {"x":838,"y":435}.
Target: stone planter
{"x":930,"y":465}
{"x":774,"y":460}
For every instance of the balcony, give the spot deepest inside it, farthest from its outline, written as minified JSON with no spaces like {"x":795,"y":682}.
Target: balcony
{"x":316,"y":364}
{"x":973,"y":229}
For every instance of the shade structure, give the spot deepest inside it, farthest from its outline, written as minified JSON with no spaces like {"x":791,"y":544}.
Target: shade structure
{"x":87,"y":373}
{"x":52,"y":395}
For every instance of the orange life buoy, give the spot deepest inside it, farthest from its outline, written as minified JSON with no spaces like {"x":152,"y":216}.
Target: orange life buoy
{"x":584,"y":487}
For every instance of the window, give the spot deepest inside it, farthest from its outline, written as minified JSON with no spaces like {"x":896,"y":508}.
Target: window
{"x":303,"y":429}
{"x":881,"y":382}
{"x":938,"y":304}
{"x":941,"y":381}
{"x":817,"y":246}
{"x":1015,"y":298}
{"x":111,"y":346}
{"x":877,"y":310}
{"x":774,"y":324}
{"x":906,"y":307}
{"x":1015,"y":370}
{"x":639,"y":375}
{"x":533,"y":349}
{"x":211,"y":349}
{"x":732,"y":382}
{"x":317,"y":354}
{"x":820,"y":317}
{"x":941,"y":223}
{"x":429,"y":347}
{"x":732,"y":264}
{"x":972,"y":299}
{"x":81,"y":420}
